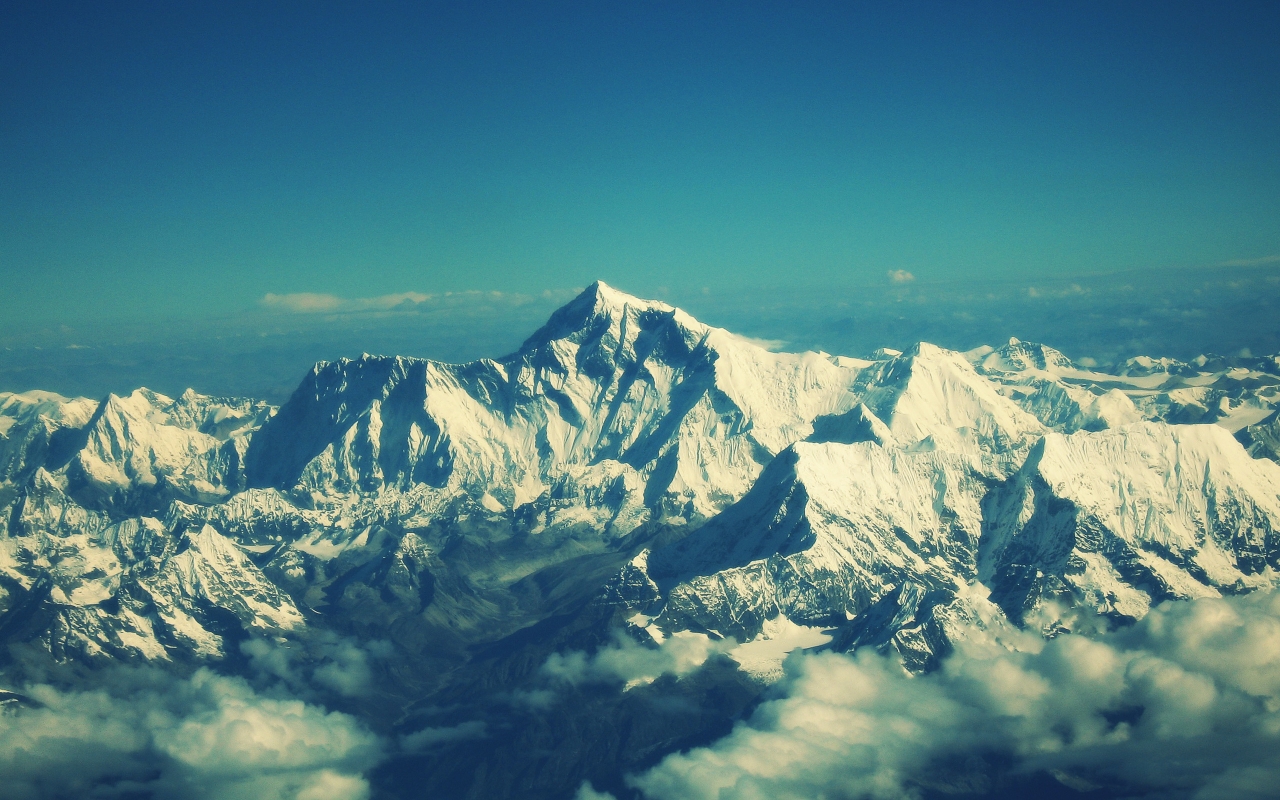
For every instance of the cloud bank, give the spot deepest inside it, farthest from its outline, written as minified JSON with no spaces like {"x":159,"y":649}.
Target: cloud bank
{"x":1185,"y":704}
{"x":208,"y":737}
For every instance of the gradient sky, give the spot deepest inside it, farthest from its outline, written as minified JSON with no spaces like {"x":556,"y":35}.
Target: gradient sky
{"x":157,"y":160}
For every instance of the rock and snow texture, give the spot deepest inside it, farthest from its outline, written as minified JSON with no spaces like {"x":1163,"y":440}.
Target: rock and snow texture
{"x":826,"y":531}
{"x":1236,"y":394}
{"x":93,"y":562}
{"x":897,"y":502}
{"x":86,"y":585}
{"x":1119,"y":520}
{"x":932,"y":399}
{"x":950,"y":499}
{"x":906,"y":544}
{"x":130,"y":452}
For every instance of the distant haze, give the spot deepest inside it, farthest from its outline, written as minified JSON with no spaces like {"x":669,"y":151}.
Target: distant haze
{"x":184,"y":163}
{"x":263,"y":353}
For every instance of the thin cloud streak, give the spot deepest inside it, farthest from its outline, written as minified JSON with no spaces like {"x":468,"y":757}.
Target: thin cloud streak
{"x":318,"y":303}
{"x":1250,"y":262}
{"x":323,"y":303}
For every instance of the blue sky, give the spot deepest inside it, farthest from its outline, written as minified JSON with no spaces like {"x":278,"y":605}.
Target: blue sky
{"x":185,"y":160}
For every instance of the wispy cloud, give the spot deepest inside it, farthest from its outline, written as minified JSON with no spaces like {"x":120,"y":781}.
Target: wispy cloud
{"x":1250,"y":262}
{"x":324,"y":303}
{"x":772,"y":345}
{"x":1071,"y":290}
{"x":429,"y":737}
{"x":318,"y":303}
{"x":634,"y":664}
{"x":900,"y":276}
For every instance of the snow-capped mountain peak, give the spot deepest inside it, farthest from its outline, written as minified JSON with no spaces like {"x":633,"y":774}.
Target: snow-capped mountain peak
{"x":694,"y":411}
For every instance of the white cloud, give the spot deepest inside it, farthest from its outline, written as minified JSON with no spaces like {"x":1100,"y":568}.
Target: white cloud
{"x":329,"y":785}
{"x":900,"y":276}
{"x":1184,"y":704}
{"x":322,"y":660}
{"x":208,"y":737}
{"x":587,"y":792}
{"x":239,"y":732}
{"x":428,"y":737}
{"x":316,"y":303}
{"x":347,"y":672}
{"x":1071,"y":290}
{"x":632,"y":663}
{"x":772,"y":345}
{"x":302,"y":302}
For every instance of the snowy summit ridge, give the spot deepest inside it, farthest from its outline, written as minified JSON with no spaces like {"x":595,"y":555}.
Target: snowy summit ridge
{"x":691,"y":412}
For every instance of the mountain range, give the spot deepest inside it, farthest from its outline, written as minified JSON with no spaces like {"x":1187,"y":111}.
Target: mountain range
{"x":500,"y":543}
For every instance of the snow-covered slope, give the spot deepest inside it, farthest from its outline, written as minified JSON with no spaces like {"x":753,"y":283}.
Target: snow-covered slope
{"x":130,"y":449}
{"x":86,"y":491}
{"x":1234,"y":393}
{"x":907,"y":545}
{"x":933,"y":399}
{"x":949,"y":499}
{"x":1118,"y":520}
{"x":31,"y":425}
{"x":134,"y":451}
{"x":826,"y":531}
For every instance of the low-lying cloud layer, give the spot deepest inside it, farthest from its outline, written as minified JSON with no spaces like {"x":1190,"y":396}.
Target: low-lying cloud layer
{"x":209,"y":737}
{"x":1184,"y":704}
